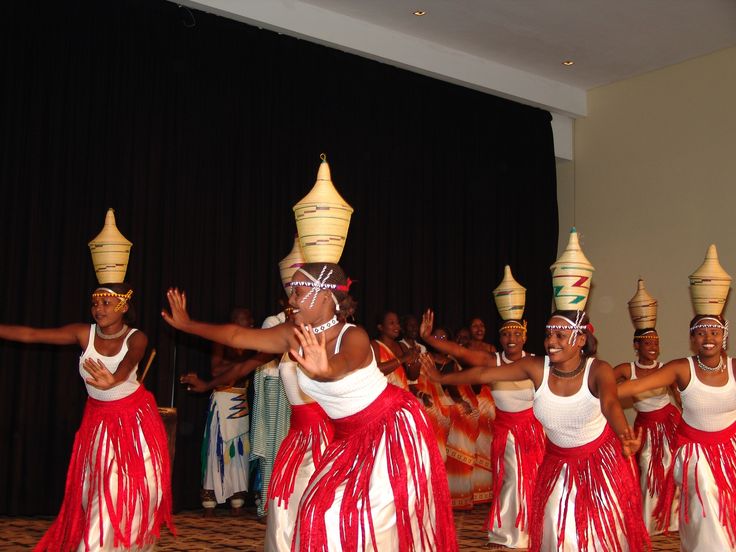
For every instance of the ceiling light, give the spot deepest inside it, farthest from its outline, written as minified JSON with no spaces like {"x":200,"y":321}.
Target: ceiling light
{"x":420,"y":13}
{"x":568,"y":63}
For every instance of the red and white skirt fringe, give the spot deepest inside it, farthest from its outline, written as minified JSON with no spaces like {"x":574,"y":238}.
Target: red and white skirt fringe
{"x":606,"y":507}
{"x":111,"y":499}
{"x":381,"y":483}
{"x":655,"y":457}
{"x":529,"y":444}
{"x":713,"y":487}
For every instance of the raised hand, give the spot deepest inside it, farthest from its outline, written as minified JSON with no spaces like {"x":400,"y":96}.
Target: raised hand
{"x":630,"y":441}
{"x":193,"y":383}
{"x":313,"y":357}
{"x":178,"y":318}
{"x":100,"y":376}
{"x":425,"y":328}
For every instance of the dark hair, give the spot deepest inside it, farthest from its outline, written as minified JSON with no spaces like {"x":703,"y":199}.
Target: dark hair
{"x":122,"y":289}
{"x":406,"y":317}
{"x":336,"y":277}
{"x":591,"y":343}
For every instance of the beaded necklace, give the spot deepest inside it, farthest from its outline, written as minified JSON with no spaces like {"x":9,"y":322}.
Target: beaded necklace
{"x":652,"y":367}
{"x":560,"y":374}
{"x":719,"y":368}
{"x":101,"y":335}
{"x":326,"y":326}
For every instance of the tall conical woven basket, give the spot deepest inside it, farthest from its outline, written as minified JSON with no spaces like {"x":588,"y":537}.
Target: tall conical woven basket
{"x":510,"y":297}
{"x":322,"y":220}
{"x":709,"y":285}
{"x":571,"y":276}
{"x":643,"y":308}
{"x":289,"y":264}
{"x":110,"y":252}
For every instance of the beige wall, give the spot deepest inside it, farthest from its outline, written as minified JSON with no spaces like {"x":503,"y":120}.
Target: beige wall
{"x":653,"y":183}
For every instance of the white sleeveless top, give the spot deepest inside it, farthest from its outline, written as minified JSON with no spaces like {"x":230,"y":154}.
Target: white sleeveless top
{"x":651,"y":400}
{"x":569,"y":421}
{"x":121,"y":390}
{"x":512,"y":396}
{"x":709,"y":408}
{"x":348,"y":395}
{"x":288,"y":371}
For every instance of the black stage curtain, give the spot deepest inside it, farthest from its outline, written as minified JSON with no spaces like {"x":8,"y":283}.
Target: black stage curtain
{"x":202,"y":133}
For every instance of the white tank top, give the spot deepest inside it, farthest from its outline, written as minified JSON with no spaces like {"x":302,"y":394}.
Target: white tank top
{"x":350,"y":394}
{"x":709,"y":408}
{"x":512,"y":396}
{"x":121,"y":390}
{"x":651,"y":400}
{"x":569,"y":421}
{"x":288,"y":372}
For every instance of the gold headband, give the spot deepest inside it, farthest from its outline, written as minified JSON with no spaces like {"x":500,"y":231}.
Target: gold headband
{"x":513,"y":325}
{"x":107,"y":292}
{"x":647,"y":336}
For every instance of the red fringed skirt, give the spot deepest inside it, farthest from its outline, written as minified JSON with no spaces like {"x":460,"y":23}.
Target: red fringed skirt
{"x":118,"y":486}
{"x":705,"y":468}
{"x":528,"y":443}
{"x":381,"y":485}
{"x":594,"y":489}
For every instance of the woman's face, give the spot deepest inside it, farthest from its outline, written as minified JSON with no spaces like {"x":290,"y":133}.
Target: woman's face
{"x":647,"y":349}
{"x":707,"y":342}
{"x":557,"y":342}
{"x":463,"y":337}
{"x":305,"y":311}
{"x":390,"y":326}
{"x":477,"y":329}
{"x":411,"y":328}
{"x":104,"y":313}
{"x":512,"y":340}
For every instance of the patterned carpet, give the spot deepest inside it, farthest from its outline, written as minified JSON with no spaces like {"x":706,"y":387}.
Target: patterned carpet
{"x":245,"y":533}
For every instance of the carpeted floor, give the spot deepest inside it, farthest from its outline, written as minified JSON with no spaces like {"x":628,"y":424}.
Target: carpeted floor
{"x":245,"y":533}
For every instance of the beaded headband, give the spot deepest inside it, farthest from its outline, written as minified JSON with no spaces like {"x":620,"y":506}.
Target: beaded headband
{"x":646,"y":336}
{"x":107,"y":292}
{"x":718,"y":326}
{"x":575,"y":326}
{"x":513,"y":325}
{"x":319,"y":284}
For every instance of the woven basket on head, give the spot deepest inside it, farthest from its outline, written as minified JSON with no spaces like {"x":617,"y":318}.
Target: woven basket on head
{"x":110,"y":252}
{"x":289,"y":264}
{"x":643,"y":308}
{"x":322,"y":220}
{"x":510,"y":297}
{"x":571,"y":276}
{"x":709,"y":285}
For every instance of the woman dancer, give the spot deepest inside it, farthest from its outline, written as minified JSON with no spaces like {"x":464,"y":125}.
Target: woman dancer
{"x":518,"y":440}
{"x":705,"y":459}
{"x":395,"y":360}
{"x":395,"y":497}
{"x":118,"y":485}
{"x":478,"y":335}
{"x":656,"y":414}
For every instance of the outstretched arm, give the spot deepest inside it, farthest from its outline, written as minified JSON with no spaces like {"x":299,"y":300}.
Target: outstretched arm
{"x":466,"y":357}
{"x":525,"y":368}
{"x":278,"y":339}
{"x":671,"y":373}
{"x":70,"y":334}
{"x":237,"y":371}
{"x":355,"y":353}
{"x":622,"y":372}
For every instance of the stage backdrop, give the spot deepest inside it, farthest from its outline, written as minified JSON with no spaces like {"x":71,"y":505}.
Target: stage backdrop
{"x":202,"y":133}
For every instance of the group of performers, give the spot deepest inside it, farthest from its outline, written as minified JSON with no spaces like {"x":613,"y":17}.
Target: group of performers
{"x":385,"y":436}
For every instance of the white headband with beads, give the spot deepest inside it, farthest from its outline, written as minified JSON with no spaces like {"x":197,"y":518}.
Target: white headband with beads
{"x":575,"y":326}
{"x":317,"y":284}
{"x":718,"y":326}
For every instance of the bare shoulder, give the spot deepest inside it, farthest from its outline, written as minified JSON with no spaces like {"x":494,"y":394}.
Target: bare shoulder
{"x":138,"y":338}
{"x":356,"y":336}
{"x":600,"y":367}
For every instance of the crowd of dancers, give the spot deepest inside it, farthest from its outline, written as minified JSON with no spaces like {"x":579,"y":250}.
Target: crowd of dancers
{"x":387,"y":436}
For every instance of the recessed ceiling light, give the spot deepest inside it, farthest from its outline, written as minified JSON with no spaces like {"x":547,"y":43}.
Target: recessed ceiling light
{"x":420,"y":13}
{"x":568,"y":63}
